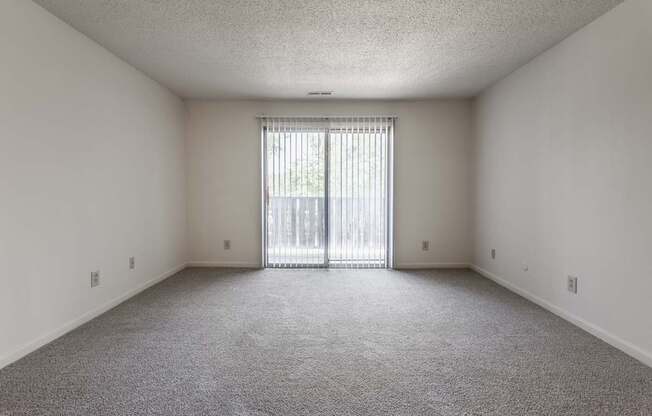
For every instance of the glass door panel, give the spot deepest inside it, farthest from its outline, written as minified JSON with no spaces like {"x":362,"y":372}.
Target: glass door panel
{"x":295,"y":198}
{"x":357,"y":197}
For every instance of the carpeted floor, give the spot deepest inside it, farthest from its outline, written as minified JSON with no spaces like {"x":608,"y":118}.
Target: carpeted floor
{"x":326,"y":342}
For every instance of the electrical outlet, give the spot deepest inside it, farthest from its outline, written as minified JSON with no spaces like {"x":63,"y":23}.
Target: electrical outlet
{"x":571,"y":284}
{"x":425,"y":245}
{"x":525,"y":267}
{"x":95,"y":278}
{"x":493,"y":253}
{"x":227,"y":244}
{"x":132,"y":263}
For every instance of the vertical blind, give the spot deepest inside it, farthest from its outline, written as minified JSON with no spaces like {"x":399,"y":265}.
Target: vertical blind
{"x":327,"y":191}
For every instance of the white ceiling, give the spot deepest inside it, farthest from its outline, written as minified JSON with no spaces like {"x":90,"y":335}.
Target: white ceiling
{"x":356,"y":48}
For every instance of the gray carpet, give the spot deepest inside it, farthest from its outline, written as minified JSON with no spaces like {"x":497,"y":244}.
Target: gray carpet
{"x":326,"y":342}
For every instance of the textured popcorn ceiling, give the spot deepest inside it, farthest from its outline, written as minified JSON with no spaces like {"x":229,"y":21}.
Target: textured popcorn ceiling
{"x":358,"y":49}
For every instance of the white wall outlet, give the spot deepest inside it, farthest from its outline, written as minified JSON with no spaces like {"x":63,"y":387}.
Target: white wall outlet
{"x":95,"y":278}
{"x":227,"y":244}
{"x":525,"y":267}
{"x":132,"y":263}
{"x":493,"y":253}
{"x":425,"y":245}
{"x":571,"y":284}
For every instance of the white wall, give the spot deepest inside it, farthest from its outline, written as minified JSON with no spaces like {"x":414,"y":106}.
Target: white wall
{"x":563,"y":177}
{"x":91,"y":172}
{"x":431,"y":172}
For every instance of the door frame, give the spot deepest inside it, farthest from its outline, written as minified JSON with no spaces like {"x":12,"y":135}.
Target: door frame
{"x":389,"y":189}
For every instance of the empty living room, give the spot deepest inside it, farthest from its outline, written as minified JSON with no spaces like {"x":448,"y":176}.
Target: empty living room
{"x":326,"y":207}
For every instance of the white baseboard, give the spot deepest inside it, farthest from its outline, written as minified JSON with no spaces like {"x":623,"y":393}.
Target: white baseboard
{"x":31,"y":346}
{"x":253,"y":265}
{"x":226,"y":264}
{"x":628,"y":348}
{"x":399,"y":266}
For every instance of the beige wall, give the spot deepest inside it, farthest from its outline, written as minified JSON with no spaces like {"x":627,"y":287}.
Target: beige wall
{"x":564,"y":178}
{"x":431,"y":173}
{"x":91,"y":172}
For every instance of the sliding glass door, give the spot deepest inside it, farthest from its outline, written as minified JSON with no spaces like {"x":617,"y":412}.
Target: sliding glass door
{"x":327,"y":192}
